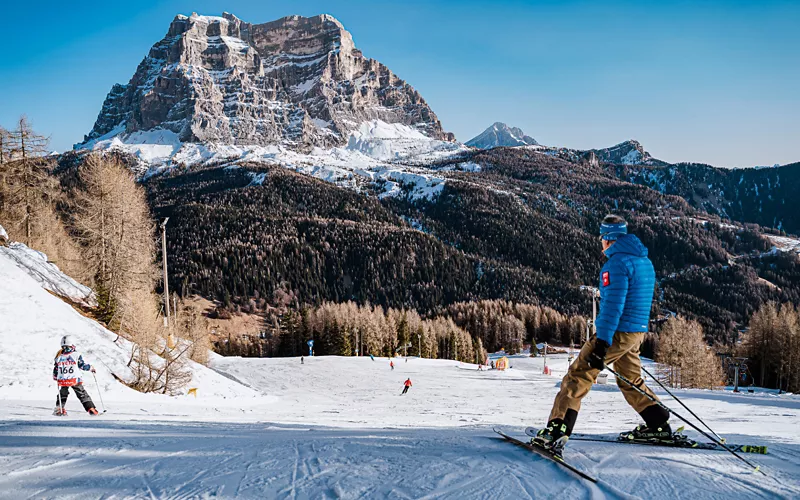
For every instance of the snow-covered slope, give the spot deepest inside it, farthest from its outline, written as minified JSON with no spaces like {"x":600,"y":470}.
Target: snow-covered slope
{"x":337,"y":427}
{"x":32,"y":322}
{"x":387,"y":157}
{"x":47,"y":274}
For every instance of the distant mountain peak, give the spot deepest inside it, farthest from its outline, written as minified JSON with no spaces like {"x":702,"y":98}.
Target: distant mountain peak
{"x":630,"y":152}
{"x":501,"y":135}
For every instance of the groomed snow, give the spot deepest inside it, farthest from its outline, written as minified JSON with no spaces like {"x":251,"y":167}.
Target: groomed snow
{"x":338,"y":428}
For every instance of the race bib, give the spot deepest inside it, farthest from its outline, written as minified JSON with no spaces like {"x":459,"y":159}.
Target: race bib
{"x":67,"y":371}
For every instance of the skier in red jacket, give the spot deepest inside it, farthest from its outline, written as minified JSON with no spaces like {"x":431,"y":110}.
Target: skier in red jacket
{"x":407,"y":385}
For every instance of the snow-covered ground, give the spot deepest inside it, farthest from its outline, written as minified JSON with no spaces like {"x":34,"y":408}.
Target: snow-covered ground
{"x":47,"y":274}
{"x":389,"y":157}
{"x":334,"y":427}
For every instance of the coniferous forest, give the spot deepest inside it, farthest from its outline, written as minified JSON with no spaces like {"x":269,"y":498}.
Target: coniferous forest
{"x":522,"y":230}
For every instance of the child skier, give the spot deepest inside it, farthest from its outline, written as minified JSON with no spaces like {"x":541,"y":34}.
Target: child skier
{"x":407,"y":385}
{"x":65,"y":372}
{"x":391,"y":364}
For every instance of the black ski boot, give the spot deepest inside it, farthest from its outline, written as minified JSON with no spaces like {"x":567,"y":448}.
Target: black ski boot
{"x":553,"y":437}
{"x":656,"y":428}
{"x":643,"y":433}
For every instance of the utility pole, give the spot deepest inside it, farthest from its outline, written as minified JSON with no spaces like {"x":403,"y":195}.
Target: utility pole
{"x":419,"y":338}
{"x":164,"y":262}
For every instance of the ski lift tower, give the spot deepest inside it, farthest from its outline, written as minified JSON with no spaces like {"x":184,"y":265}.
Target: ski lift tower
{"x":738,"y":365}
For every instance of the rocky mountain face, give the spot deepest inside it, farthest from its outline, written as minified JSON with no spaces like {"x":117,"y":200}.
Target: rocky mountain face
{"x":296,"y":81}
{"x":501,"y":135}
{"x":625,"y":153}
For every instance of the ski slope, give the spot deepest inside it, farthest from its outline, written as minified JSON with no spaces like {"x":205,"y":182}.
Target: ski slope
{"x":336,"y":427}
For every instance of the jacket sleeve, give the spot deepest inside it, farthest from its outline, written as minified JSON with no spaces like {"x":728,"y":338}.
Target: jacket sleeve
{"x":613,"y":292}
{"x":83,"y":365}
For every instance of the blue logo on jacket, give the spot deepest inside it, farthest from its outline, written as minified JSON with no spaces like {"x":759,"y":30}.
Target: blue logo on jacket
{"x":626,"y":293}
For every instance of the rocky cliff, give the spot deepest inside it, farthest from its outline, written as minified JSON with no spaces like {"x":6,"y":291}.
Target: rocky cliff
{"x":296,"y":81}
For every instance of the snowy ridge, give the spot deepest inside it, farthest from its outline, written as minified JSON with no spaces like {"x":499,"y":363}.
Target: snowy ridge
{"x":47,"y":274}
{"x":379,"y":155}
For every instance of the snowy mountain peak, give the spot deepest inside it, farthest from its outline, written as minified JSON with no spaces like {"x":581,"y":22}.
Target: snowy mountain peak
{"x":501,"y":135}
{"x":296,"y":81}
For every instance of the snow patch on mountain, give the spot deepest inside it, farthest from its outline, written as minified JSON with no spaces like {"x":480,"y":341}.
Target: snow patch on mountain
{"x":784,"y":243}
{"x":388,"y":157}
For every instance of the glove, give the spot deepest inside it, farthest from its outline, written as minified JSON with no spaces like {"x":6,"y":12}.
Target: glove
{"x":598,"y":355}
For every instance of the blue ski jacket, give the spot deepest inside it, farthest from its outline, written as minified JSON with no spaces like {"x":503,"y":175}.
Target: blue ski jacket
{"x":627,"y":282}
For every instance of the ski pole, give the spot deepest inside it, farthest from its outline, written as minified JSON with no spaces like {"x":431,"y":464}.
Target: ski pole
{"x":721,"y":439}
{"x":698,"y":429}
{"x":99,"y":392}
{"x":60,"y":402}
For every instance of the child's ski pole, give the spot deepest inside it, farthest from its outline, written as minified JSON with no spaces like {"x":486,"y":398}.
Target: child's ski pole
{"x":99,"y":392}
{"x":60,"y":402}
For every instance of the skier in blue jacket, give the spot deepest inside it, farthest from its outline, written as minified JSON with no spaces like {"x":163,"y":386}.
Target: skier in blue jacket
{"x":627,"y":282}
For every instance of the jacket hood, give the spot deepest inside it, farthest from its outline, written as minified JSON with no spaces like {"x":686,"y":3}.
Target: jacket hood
{"x":628,"y":244}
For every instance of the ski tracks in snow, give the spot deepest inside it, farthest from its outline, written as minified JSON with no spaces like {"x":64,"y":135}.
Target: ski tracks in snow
{"x":162,"y":459}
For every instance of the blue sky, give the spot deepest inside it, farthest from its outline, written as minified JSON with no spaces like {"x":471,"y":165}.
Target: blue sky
{"x":708,"y":81}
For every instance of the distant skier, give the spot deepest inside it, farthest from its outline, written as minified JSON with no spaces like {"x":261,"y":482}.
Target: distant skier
{"x":301,"y":360}
{"x":480,"y":368}
{"x":372,"y":357}
{"x":66,"y":373}
{"x":407,"y":385}
{"x":391,"y":364}
{"x":627,"y":282}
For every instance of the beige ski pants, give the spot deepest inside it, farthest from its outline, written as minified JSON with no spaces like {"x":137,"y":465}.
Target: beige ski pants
{"x":623,"y":353}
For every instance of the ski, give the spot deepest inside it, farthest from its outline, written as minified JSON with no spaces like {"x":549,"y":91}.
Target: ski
{"x":688,"y":443}
{"x":544,"y":452}
{"x":680,"y":443}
